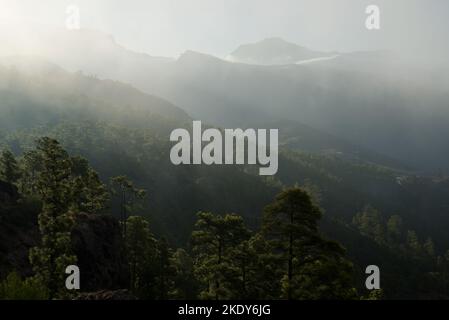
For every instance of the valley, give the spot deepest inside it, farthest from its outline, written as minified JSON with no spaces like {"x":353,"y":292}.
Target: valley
{"x":360,"y":143}
{"x":134,"y":141}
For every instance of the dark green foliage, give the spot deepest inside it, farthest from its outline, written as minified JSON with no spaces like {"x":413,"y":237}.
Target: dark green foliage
{"x":370,"y":223}
{"x":165,"y":270}
{"x":288,"y":259}
{"x":30,"y":165}
{"x":214,"y":240}
{"x":15,"y":288}
{"x":128,"y":195}
{"x":9,"y":169}
{"x":399,"y":248}
{"x":50,"y":259}
{"x":374,"y":295}
{"x":142,"y":155}
{"x":142,"y":253}
{"x":185,"y":286}
{"x":257,"y":269}
{"x":313,"y":268}
{"x":394,"y":228}
{"x":88,"y":192}
{"x":65,"y":186}
{"x":154,"y":269}
{"x":322,"y":272}
{"x":123,"y":132}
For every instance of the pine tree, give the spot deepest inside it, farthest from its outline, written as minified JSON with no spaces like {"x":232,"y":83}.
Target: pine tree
{"x":213,"y":240}
{"x":89,"y":193}
{"x":314,"y":268}
{"x":142,"y":255}
{"x":30,"y":165}
{"x":16,"y":288}
{"x":9,"y":169}
{"x":369,"y":222}
{"x":54,"y":254}
{"x":166,"y":271}
{"x":394,"y":229}
{"x":256,"y":267}
{"x":185,"y":285}
{"x":123,"y":187}
{"x":286,"y":222}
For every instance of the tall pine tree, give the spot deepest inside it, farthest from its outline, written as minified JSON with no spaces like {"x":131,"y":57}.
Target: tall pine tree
{"x":53,"y":184}
{"x":314,"y":268}
{"x":214,"y":239}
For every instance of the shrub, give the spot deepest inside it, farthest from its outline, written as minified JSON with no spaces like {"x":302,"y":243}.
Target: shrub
{"x":16,"y":288}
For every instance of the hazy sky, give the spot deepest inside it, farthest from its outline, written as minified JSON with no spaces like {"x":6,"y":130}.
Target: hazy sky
{"x":169,"y":27}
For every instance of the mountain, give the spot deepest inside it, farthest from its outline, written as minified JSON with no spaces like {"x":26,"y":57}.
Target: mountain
{"x":375,"y":100}
{"x":399,"y":112}
{"x":55,"y":95}
{"x":274,"y":51}
{"x":123,"y":131}
{"x":99,"y":52}
{"x":300,"y":137}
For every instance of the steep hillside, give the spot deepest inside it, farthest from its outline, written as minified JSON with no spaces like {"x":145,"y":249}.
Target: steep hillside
{"x":35,"y":92}
{"x":376,"y":100}
{"x":87,"y":116}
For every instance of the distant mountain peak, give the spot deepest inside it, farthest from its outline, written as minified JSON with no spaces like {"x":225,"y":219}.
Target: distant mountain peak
{"x":272,"y":51}
{"x":276,"y":41}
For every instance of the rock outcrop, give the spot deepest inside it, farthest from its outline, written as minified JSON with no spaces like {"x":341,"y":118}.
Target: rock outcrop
{"x":96,"y":240}
{"x":98,"y":244}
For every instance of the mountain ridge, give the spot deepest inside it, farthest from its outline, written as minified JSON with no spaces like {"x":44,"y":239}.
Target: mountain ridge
{"x":273,"y":51}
